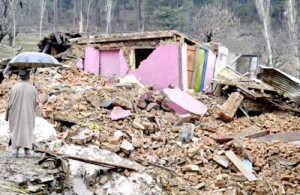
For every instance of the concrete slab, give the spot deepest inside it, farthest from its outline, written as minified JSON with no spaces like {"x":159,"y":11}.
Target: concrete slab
{"x":183,"y":103}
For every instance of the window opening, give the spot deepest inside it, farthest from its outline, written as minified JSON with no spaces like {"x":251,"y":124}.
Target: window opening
{"x":142,"y":54}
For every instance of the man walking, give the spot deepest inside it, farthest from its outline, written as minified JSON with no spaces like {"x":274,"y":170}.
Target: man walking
{"x":21,"y":114}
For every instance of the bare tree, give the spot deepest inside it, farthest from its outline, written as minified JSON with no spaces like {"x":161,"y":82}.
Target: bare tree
{"x":55,"y":11}
{"x":292,"y":24}
{"x":4,"y":19}
{"x":43,"y":4}
{"x":13,"y":9}
{"x":81,"y":18}
{"x":211,"y":20}
{"x":263,"y":9}
{"x":110,"y":4}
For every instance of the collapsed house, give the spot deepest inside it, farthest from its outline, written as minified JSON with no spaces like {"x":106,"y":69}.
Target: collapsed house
{"x":164,"y":58}
{"x":157,"y":58}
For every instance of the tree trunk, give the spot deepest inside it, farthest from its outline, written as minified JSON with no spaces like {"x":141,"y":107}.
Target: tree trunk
{"x":87,"y":16}
{"x":55,"y":18}
{"x":109,"y":7}
{"x":142,"y":16}
{"x":263,"y":7}
{"x":138,"y":14}
{"x":293,"y":30}
{"x":98,"y":14}
{"x":118,"y":18}
{"x":2,"y":35}
{"x":81,"y":18}
{"x":29,"y":9}
{"x":74,"y":14}
{"x":12,"y":37}
{"x":125,"y":16}
{"x":43,"y":4}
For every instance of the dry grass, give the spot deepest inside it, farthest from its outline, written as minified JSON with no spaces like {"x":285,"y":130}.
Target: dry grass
{"x":28,"y":41}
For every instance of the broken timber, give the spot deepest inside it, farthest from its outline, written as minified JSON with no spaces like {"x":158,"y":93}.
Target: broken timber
{"x":251,"y":132}
{"x":230,"y":106}
{"x":86,"y":160}
{"x":284,"y":137}
{"x":238,"y":163}
{"x":249,"y":88}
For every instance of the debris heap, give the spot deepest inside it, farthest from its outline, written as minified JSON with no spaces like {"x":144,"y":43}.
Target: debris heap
{"x":185,"y":151}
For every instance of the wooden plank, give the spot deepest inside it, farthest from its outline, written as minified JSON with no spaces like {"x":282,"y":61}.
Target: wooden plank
{"x":58,"y":39}
{"x":53,"y":51}
{"x":234,"y":60}
{"x":224,"y":139}
{"x":127,"y":37}
{"x":284,"y":137}
{"x":258,"y":134}
{"x":238,"y":163}
{"x":249,"y":130}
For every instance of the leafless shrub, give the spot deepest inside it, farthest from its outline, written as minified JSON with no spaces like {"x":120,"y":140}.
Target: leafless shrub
{"x":211,"y":20}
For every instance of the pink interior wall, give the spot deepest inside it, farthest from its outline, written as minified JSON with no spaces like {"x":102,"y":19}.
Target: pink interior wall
{"x":123,"y":65}
{"x":209,"y":75}
{"x":161,"y":68}
{"x":109,"y":62}
{"x":79,"y":63}
{"x":91,"y":63}
{"x":184,"y":72}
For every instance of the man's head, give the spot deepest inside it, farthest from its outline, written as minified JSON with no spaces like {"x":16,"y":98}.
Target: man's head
{"x":24,"y":74}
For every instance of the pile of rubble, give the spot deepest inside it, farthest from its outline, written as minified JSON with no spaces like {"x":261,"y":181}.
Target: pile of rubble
{"x":177,"y":140}
{"x":37,"y":175}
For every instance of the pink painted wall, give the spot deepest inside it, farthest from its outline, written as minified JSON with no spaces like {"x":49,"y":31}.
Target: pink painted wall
{"x":184,"y":72}
{"x":161,"y":68}
{"x":91,"y":63}
{"x":183,"y":103}
{"x":109,"y":62}
{"x":123,"y":65}
{"x":210,"y":68}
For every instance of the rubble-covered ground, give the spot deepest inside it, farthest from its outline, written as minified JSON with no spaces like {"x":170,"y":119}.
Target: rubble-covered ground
{"x":96,"y":114}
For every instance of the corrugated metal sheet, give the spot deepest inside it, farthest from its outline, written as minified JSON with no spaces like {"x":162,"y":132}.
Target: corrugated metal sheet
{"x":282,"y":81}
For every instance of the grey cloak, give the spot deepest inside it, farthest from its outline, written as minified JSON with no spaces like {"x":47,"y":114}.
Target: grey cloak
{"x":21,"y":114}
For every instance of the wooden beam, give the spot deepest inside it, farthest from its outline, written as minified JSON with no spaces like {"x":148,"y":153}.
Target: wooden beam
{"x":234,"y":60}
{"x":89,"y":161}
{"x":125,"y":37}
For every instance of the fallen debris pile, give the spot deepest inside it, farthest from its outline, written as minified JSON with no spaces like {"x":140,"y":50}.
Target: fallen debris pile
{"x":38,"y":175}
{"x":178,"y":137}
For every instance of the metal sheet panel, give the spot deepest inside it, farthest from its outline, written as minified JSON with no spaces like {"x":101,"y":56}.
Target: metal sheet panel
{"x":289,"y":85}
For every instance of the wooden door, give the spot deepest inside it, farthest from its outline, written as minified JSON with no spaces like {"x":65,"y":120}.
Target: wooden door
{"x":191,"y":52}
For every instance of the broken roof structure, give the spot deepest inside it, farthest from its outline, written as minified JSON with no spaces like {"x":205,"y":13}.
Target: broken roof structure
{"x":138,"y":36}
{"x":289,"y":85}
